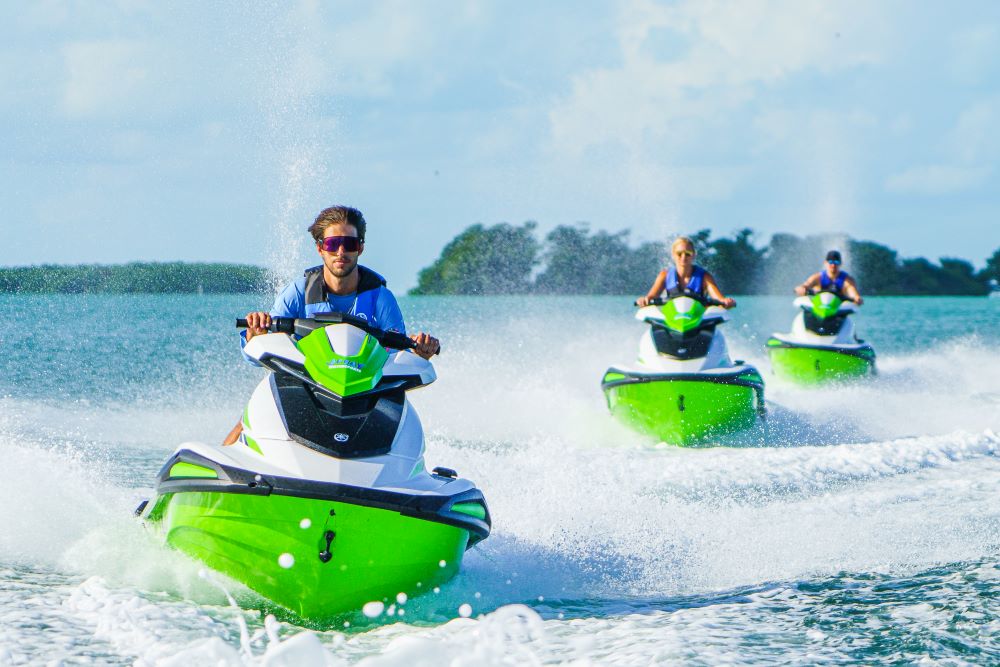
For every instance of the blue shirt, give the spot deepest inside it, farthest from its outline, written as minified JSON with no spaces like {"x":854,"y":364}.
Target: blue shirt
{"x":292,"y":303}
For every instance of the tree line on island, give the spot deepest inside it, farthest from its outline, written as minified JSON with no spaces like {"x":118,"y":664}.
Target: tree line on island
{"x":509,"y":259}
{"x":571,"y":259}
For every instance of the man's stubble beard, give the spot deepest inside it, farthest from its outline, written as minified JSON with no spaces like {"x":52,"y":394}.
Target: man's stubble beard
{"x":344,"y":272}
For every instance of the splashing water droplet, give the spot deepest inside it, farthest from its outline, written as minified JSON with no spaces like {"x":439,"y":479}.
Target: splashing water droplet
{"x":465,"y":610}
{"x":305,"y":523}
{"x":373,"y":609}
{"x":442,"y":563}
{"x":478,"y":595}
{"x":401,"y":598}
{"x":286,"y":560}
{"x":437,"y":589}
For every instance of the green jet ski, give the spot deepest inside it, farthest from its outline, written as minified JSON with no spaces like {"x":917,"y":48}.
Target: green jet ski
{"x":822,"y":345}
{"x":684,"y":388}
{"x":324,"y":503}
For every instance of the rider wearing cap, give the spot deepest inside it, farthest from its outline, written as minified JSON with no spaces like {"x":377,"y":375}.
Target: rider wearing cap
{"x":685,"y":278}
{"x":832,"y":279}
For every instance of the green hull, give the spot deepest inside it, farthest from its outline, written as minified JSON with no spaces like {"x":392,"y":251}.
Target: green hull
{"x":810,"y":365}
{"x":685,"y":412}
{"x":273,"y":545}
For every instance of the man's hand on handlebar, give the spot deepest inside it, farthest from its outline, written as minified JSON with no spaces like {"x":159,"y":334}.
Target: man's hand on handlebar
{"x":728,"y":302}
{"x":257,"y":324}
{"x":426,"y":345}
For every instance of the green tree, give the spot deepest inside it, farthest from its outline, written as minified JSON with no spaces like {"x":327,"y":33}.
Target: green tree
{"x":603,"y":263}
{"x":992,"y":270}
{"x":875,"y":267}
{"x":959,"y":277}
{"x":483,"y":260}
{"x":735,"y":263}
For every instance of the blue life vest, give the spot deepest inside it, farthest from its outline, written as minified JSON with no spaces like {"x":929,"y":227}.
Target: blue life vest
{"x":369,"y":284}
{"x":695,"y":284}
{"x":836,"y":285}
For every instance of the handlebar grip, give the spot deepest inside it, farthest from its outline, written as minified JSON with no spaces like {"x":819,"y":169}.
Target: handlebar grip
{"x":241,"y":323}
{"x":397,"y":341}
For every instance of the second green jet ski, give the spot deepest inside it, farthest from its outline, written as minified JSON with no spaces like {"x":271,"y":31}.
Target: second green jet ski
{"x":821,"y":345}
{"x":684,"y":389}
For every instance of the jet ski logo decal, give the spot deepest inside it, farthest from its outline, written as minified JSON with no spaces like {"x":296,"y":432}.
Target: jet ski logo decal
{"x":346,"y":363}
{"x":341,"y":437}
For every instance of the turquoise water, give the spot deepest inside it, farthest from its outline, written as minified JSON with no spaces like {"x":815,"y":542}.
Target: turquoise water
{"x":862,"y":526}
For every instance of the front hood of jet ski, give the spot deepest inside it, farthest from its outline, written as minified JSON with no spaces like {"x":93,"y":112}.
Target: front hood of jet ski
{"x":685,"y":408}
{"x":816,"y":363}
{"x":319,"y":549}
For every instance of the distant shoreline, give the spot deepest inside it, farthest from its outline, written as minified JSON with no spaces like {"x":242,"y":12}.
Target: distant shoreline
{"x":135,"y":278}
{"x":207,"y":278}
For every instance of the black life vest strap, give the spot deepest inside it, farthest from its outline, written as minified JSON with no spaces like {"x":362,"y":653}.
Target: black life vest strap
{"x":315,"y":291}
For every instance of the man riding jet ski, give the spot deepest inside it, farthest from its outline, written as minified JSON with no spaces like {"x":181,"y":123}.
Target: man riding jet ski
{"x":685,"y":388}
{"x":338,"y":285}
{"x":323,"y":502}
{"x":821,"y":345}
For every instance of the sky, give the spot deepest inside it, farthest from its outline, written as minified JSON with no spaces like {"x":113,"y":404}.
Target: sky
{"x":194,"y":131}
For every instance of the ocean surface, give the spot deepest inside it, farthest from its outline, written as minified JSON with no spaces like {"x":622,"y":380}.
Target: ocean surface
{"x":861,"y":526}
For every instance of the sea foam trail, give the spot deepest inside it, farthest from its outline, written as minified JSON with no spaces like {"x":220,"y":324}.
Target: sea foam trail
{"x":654,"y":523}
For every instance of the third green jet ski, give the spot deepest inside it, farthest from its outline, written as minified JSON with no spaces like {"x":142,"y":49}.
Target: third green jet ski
{"x":821,"y":345}
{"x":684,"y":388}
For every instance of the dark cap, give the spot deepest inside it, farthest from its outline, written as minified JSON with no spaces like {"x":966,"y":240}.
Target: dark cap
{"x":833,"y":256}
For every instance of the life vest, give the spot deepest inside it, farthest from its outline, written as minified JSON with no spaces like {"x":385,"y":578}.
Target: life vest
{"x":365,"y":300}
{"x":695,"y":284}
{"x":836,"y":285}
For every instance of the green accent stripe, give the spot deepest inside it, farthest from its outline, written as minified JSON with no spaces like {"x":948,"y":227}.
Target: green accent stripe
{"x":472,"y":509}
{"x":183,"y":469}
{"x":252,"y":444}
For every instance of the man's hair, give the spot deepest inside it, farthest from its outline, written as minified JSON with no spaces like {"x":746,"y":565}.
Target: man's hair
{"x":337,"y":215}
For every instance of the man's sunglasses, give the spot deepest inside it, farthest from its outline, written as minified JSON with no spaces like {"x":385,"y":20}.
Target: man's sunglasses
{"x":335,"y":243}
{"x":835,"y":262}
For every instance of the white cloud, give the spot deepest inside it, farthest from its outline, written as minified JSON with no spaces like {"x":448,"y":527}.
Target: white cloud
{"x":971,"y":148}
{"x":940,"y":179}
{"x":735,"y":52}
{"x":370,"y":53}
{"x":105,"y":77}
{"x":974,"y":53}
{"x":976,"y":135}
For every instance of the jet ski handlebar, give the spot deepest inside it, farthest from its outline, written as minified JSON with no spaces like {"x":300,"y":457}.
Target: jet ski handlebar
{"x":305,"y":326}
{"x":703,"y":300}
{"x":842,"y":297}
